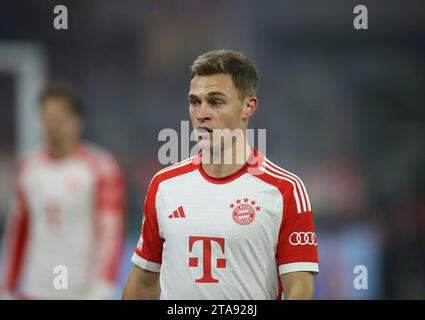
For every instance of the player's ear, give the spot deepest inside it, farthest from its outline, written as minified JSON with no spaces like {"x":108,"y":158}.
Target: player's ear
{"x":250,"y":105}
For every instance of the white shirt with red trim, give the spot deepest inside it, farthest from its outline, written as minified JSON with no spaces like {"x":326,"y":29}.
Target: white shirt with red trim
{"x":65,"y":234}
{"x":226,"y":238}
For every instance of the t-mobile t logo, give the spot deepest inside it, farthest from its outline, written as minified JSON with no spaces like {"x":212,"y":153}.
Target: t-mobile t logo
{"x":206,"y":257}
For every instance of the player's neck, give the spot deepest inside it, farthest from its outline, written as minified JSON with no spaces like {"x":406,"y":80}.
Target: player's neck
{"x":239,"y":156}
{"x":62,"y":150}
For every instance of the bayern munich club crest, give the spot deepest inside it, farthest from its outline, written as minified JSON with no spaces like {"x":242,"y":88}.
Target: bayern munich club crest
{"x":244,"y":210}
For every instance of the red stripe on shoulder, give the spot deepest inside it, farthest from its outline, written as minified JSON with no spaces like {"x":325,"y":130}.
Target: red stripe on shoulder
{"x":276,"y":180}
{"x":173,"y":171}
{"x":300,"y":187}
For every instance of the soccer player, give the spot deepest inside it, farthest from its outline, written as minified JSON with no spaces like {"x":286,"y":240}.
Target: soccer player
{"x":65,"y":234}
{"x":219,"y":230}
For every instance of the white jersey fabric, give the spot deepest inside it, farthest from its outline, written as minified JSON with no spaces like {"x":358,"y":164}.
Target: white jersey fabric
{"x":226,"y":238}
{"x":68,"y":215}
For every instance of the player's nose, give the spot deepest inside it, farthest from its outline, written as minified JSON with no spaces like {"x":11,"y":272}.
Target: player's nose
{"x":203,"y":113}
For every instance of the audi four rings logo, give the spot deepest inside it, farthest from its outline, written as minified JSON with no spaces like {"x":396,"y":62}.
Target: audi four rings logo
{"x":303,"y":239}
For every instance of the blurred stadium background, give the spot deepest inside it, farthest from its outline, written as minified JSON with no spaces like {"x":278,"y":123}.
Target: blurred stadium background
{"x":344,"y":109}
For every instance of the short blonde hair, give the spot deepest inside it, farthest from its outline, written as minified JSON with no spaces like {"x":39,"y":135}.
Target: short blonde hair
{"x":243,"y":71}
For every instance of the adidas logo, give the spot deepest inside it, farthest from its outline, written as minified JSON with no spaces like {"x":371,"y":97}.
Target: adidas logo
{"x":179,"y":213}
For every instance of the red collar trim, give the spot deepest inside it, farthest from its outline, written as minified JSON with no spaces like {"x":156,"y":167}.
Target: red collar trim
{"x":254,"y":161}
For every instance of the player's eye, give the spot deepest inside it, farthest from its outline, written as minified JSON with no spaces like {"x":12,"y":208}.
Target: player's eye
{"x":193,"y":102}
{"x":216,"y":103}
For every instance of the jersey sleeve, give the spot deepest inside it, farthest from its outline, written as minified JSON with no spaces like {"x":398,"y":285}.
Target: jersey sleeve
{"x":148,"y":253}
{"x":15,"y":241}
{"x":110,"y":217}
{"x":297,"y":243}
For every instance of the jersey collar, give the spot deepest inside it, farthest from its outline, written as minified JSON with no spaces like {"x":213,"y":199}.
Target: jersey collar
{"x":251,"y":166}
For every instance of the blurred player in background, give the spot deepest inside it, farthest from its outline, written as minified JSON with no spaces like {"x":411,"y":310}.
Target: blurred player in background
{"x":68,"y":212}
{"x":218,"y":230}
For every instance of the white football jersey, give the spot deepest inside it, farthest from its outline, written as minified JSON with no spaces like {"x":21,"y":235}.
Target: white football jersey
{"x":66,"y":230}
{"x":226,"y":238}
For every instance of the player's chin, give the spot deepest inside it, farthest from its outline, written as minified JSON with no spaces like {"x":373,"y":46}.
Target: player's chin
{"x":55,"y":140}
{"x":207,"y":145}
{"x":204,"y":142}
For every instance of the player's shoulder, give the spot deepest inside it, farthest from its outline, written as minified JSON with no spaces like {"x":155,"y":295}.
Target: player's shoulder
{"x":277,"y":175}
{"x":102,"y":158}
{"x":30,"y":158}
{"x":175,"y":170}
{"x":95,"y":150}
{"x":287,"y":182}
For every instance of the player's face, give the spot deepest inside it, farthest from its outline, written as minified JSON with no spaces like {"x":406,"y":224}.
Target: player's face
{"x":61,"y":125}
{"x":215,"y":103}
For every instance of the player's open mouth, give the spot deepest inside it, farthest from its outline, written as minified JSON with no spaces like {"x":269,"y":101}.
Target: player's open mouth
{"x":204,"y":130}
